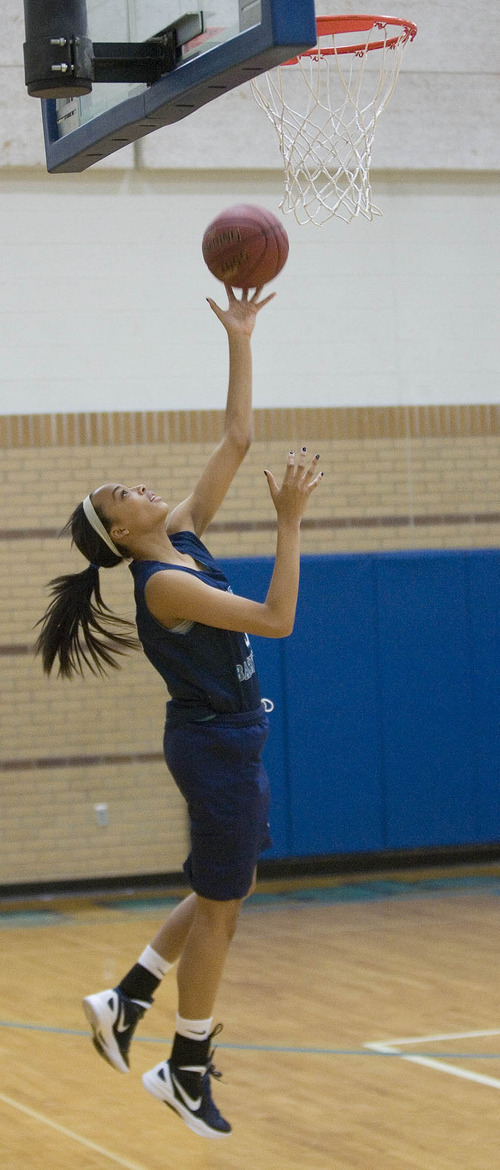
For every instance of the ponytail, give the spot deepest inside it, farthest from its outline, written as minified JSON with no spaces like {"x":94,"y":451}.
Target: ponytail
{"x":78,"y":628}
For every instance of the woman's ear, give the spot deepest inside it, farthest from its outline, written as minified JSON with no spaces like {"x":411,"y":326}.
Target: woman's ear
{"x":118,"y":534}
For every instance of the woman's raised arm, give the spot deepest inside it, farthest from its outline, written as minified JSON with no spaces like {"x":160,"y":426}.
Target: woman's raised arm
{"x":196,"y":512}
{"x":174,"y":596}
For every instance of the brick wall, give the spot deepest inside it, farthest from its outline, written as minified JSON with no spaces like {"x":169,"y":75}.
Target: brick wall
{"x":395,"y":478}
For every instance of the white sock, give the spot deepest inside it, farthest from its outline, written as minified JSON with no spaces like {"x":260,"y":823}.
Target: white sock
{"x":153,"y":962}
{"x":193,"y":1029}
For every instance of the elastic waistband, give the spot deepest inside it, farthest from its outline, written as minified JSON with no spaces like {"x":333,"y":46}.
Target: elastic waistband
{"x":176,"y":717}
{"x":241,"y":718}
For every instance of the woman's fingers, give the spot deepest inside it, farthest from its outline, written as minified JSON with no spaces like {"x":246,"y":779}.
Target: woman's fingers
{"x":314,"y":482}
{"x":271,"y":483}
{"x":216,"y":308}
{"x":313,"y":467}
{"x":297,"y":485}
{"x":297,"y":472}
{"x":290,"y":467}
{"x":260,"y":304}
{"x":301,"y":464}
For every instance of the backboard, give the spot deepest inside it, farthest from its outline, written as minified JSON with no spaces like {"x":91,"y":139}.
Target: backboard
{"x":238,"y":40}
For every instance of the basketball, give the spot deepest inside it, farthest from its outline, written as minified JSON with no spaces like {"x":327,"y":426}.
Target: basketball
{"x":245,"y":246}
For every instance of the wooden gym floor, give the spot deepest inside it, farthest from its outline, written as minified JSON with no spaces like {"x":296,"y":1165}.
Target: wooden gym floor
{"x":361,"y":1031}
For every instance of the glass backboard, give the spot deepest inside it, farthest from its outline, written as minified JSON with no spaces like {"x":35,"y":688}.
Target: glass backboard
{"x":237,"y":40}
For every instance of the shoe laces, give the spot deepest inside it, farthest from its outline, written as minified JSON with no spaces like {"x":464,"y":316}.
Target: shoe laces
{"x":211,"y":1070}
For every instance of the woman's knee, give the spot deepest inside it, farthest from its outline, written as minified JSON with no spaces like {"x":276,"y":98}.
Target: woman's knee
{"x":253,"y":885}
{"x":223,"y":916}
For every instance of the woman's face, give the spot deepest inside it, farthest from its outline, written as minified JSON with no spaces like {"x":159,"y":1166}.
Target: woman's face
{"x":133,"y":511}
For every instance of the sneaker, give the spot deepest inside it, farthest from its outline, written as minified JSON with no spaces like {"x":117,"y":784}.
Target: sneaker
{"x":186,"y":1090}
{"x":113,"y":1018}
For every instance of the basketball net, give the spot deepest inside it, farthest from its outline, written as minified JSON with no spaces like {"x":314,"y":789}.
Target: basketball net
{"x":325,"y":105}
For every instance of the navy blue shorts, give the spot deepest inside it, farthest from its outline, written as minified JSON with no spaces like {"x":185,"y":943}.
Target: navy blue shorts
{"x":218,"y":768}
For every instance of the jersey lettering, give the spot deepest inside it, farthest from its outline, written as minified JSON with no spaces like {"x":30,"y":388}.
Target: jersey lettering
{"x":246,"y":669}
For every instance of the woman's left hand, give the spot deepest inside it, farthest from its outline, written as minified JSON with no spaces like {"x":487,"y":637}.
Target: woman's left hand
{"x":239,"y":317}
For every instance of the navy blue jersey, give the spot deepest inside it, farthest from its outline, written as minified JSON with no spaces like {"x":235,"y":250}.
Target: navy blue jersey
{"x":204,"y":667}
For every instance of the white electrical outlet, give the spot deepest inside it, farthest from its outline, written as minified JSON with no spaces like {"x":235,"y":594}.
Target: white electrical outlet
{"x":102,"y":814}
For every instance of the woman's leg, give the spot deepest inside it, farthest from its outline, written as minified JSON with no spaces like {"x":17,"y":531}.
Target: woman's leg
{"x":202,"y":960}
{"x":170,"y":939}
{"x":204,"y":954}
{"x":114,"y":1014}
{"x":183,"y":1081}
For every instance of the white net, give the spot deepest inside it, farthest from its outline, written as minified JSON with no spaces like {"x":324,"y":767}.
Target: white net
{"x":325,"y":107}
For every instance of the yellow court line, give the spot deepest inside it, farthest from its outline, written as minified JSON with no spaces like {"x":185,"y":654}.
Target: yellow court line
{"x":76,"y":1137}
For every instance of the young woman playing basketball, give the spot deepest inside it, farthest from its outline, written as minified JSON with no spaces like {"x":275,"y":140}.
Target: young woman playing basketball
{"x":191,"y":628}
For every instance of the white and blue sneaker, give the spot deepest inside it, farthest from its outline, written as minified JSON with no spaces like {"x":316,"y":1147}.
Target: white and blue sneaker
{"x":113,"y":1018}
{"x":185,"y":1087}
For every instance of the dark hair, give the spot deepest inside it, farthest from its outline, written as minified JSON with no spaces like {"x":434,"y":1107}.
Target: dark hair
{"x":78,"y":628}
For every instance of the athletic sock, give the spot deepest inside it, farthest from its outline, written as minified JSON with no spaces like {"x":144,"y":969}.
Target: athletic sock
{"x":153,"y":962}
{"x":141,"y":981}
{"x":191,"y":1053}
{"x":193,"y":1029}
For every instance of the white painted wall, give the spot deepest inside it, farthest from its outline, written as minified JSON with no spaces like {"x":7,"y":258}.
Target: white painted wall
{"x":102,"y":283}
{"x":102,"y":287}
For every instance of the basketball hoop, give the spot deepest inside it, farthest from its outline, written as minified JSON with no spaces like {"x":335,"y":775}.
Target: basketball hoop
{"x":325,"y":105}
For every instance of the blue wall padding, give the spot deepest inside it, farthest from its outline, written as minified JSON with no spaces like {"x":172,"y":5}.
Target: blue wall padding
{"x":482,"y":574}
{"x":426,"y":700}
{"x":386,"y":729}
{"x":332,"y":700}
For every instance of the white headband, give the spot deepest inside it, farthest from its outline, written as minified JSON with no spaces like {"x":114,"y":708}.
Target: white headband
{"x":98,"y":526}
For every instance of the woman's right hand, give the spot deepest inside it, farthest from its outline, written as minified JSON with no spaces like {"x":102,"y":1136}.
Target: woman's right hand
{"x":299,"y":482}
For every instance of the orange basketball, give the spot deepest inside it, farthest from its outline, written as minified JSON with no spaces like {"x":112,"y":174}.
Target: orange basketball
{"x":245,"y":246}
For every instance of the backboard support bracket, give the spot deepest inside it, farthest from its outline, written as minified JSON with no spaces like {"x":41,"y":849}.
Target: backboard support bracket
{"x":241,"y":39}
{"x":65,"y":63}
{"x":146,"y":61}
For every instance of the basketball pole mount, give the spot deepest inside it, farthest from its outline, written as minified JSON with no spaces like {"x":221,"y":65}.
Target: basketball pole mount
{"x":61,"y":61}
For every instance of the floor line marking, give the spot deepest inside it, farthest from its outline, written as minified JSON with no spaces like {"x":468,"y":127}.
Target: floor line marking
{"x":70,"y":1134}
{"x":443,"y":1036}
{"x":366,"y":1050}
{"x":439,"y":1065}
{"x":454,"y":1070}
